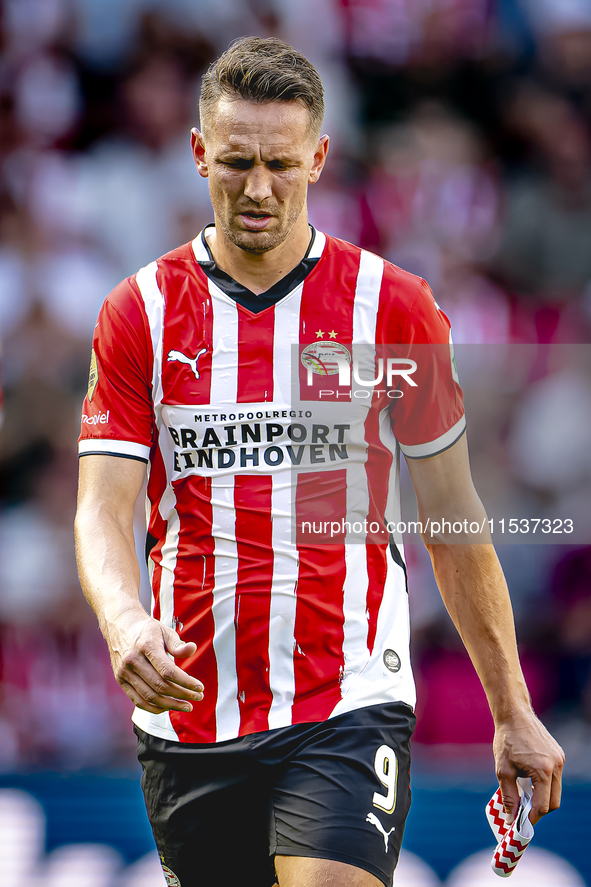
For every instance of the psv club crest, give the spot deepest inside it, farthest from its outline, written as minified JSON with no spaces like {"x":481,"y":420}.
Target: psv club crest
{"x":324,"y":358}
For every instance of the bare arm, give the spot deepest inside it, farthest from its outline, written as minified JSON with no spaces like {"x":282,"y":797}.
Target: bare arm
{"x":474,"y":591}
{"x":109,"y":574}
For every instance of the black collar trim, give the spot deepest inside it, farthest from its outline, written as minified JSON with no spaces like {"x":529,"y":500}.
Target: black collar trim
{"x":244,"y":296}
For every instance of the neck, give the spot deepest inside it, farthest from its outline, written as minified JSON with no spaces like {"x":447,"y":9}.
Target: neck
{"x":259,"y":271}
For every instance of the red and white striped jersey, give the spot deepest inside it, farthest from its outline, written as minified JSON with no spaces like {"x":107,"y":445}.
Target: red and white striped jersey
{"x":273,"y":478}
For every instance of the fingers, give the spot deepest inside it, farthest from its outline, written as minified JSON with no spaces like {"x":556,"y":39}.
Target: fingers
{"x":153,"y":649}
{"x":149,"y":676}
{"x":139,"y":701}
{"x":187,"y":686}
{"x":161,"y":683}
{"x":155,"y":695}
{"x":556,"y":790}
{"x":547,"y":788}
{"x":147,"y":673}
{"x":524,"y":747}
{"x":509,"y":793}
{"x":541,"y":799}
{"x":173,"y":644}
{"x":182,"y":651}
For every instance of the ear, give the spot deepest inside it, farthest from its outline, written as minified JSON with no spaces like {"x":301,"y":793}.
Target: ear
{"x":319,"y":159}
{"x":198,"y":149}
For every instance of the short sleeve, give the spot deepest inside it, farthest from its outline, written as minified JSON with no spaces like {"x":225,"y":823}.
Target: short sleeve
{"x":427,"y":407}
{"x":117,"y":415}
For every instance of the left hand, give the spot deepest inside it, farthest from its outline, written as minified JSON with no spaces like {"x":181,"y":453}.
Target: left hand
{"x":523,"y":747}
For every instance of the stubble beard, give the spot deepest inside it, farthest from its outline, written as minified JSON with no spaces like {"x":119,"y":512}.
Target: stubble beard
{"x":258,"y":242}
{"x":255,"y":242}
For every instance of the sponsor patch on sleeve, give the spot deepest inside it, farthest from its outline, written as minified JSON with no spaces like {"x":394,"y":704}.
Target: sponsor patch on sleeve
{"x":93,"y":375}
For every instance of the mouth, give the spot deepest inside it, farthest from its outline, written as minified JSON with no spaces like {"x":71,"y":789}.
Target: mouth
{"x":255,"y":221}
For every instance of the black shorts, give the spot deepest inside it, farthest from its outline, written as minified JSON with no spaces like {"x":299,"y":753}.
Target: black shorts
{"x":335,"y":790}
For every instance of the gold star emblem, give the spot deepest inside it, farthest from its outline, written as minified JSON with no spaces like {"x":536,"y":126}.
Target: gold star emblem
{"x":332,"y":334}
{"x":319,"y":334}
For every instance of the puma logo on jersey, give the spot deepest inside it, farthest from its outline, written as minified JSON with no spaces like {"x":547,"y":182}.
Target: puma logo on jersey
{"x":190,"y":361}
{"x":371,"y":817}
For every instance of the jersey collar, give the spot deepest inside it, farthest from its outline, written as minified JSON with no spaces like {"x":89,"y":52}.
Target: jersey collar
{"x":241,"y":294}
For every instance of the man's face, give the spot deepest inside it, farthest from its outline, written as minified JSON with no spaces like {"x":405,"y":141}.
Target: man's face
{"x":259,"y":159}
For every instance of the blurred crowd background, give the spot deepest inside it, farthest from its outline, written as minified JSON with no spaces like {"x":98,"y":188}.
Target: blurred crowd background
{"x":461,"y":150}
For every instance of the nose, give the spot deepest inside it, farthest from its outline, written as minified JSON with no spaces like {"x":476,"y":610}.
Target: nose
{"x":258,"y":184}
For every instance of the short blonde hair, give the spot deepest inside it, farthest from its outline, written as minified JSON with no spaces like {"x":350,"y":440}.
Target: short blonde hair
{"x":263,"y":70}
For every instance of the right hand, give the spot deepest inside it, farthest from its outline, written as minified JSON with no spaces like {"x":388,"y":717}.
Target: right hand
{"x":139,"y":646}
{"x":523,"y":747}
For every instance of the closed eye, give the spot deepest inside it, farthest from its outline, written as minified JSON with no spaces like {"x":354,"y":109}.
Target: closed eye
{"x":237,"y":164}
{"x":243,"y":163}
